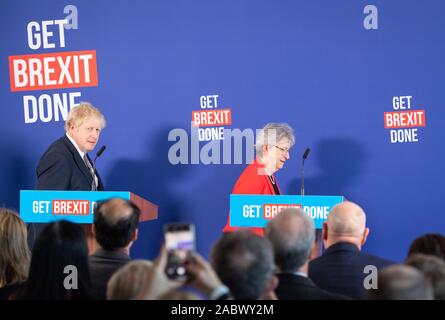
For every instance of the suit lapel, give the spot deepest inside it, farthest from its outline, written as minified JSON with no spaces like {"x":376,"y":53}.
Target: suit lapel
{"x":270,"y":186}
{"x":278,"y":186}
{"x":78,"y":160}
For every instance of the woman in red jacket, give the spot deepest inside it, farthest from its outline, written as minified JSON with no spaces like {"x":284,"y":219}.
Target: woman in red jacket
{"x":272,"y":151}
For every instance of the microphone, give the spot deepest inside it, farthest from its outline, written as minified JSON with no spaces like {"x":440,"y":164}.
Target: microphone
{"x":305,"y":155}
{"x":98,"y":154}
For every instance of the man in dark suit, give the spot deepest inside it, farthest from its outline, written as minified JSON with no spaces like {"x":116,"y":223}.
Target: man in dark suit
{"x":292,"y":235}
{"x":115,"y":228}
{"x":65,"y":165}
{"x":341,"y":268}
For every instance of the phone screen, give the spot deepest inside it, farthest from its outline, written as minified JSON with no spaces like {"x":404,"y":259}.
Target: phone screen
{"x":179,"y":242}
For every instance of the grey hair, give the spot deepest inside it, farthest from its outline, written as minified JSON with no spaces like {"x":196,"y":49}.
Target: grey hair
{"x":273,"y":133}
{"x":292,"y":242}
{"x":132,"y":281}
{"x":401,"y":282}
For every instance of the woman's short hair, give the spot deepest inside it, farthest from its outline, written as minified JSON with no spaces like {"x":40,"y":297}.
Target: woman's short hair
{"x":130,"y":282}
{"x":14,"y":251}
{"x":78,"y":114}
{"x":273,"y":133}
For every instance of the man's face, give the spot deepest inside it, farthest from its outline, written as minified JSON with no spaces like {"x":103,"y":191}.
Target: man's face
{"x":87,"y":134}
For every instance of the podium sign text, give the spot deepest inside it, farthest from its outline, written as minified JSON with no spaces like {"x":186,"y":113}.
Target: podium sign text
{"x":258,"y":210}
{"x":38,"y":206}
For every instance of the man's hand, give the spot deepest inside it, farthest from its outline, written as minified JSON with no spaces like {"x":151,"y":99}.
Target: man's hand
{"x":159,"y":283}
{"x":202,"y":275}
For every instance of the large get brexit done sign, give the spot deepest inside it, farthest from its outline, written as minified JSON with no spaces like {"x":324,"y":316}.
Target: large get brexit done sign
{"x":258,"y":210}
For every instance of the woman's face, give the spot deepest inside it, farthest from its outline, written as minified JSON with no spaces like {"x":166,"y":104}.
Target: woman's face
{"x":278,"y":154}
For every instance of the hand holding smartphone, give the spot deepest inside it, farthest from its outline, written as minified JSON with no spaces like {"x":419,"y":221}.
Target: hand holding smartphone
{"x":180,"y":243}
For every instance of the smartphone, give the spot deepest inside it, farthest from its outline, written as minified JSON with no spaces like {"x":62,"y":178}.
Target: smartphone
{"x":180,"y":243}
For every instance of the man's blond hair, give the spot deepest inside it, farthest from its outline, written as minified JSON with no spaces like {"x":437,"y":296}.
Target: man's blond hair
{"x":78,"y":114}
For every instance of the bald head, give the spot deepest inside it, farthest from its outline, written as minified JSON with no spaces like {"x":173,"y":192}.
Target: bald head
{"x":115,"y":223}
{"x":346,"y":219}
{"x":116,"y":209}
{"x":346,"y":222}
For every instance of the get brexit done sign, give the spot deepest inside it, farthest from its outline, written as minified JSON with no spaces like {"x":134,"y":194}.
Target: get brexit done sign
{"x":258,"y":210}
{"x":76,"y":206}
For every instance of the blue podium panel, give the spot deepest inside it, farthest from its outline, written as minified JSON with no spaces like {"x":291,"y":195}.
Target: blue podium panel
{"x":43,"y":206}
{"x":257,"y":210}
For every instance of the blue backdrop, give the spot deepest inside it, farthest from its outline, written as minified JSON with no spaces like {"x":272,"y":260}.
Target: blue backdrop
{"x":328,"y":68}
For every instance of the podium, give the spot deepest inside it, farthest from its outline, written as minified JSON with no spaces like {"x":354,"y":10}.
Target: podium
{"x":257,"y":210}
{"x":45,"y":206}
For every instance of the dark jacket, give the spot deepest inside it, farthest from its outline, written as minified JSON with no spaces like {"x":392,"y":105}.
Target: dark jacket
{"x":103,"y":264}
{"x":10,"y":291}
{"x":62,"y":168}
{"x":341,"y":269}
{"x":297,"y":287}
